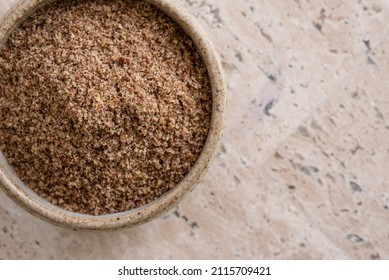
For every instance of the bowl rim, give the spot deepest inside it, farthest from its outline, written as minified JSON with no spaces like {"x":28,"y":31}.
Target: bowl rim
{"x":38,"y":206}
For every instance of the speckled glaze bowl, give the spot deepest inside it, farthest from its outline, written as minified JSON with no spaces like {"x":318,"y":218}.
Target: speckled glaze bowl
{"x":38,"y":206}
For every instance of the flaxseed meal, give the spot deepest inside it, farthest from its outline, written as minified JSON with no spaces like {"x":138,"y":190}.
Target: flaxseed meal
{"x":104,"y":105}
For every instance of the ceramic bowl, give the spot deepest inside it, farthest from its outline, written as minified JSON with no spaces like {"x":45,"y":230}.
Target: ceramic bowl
{"x":38,"y":206}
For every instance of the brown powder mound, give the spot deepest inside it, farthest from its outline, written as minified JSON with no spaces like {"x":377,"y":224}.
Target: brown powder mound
{"x":104,"y":105}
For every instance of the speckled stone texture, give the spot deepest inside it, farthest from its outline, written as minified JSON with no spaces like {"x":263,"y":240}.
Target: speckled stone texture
{"x":302,"y":171}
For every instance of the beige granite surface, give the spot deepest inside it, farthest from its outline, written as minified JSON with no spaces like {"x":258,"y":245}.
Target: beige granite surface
{"x":303,"y":170}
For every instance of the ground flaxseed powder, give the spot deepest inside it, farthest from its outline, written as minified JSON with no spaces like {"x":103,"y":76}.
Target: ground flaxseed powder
{"x":104,"y":105}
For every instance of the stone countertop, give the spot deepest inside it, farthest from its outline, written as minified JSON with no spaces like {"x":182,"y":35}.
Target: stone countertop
{"x":302,"y":172}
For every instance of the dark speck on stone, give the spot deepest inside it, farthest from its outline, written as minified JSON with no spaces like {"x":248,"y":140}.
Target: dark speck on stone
{"x":291,"y":187}
{"x":185,"y":218}
{"x":303,"y":131}
{"x":268,"y":108}
{"x":278,"y":156}
{"x":239,"y":56}
{"x":314,"y":169}
{"x":367,"y":44}
{"x":355,"y":187}
{"x":355,"y":95}
{"x":305,"y":170}
{"x":194,"y":225}
{"x":272,"y":77}
{"x":318,"y":26}
{"x":177,"y":214}
{"x":353,"y":238}
{"x":370,"y":60}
